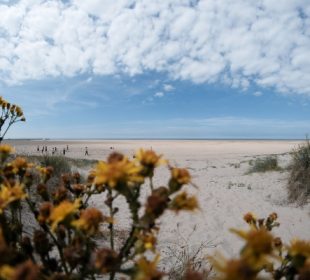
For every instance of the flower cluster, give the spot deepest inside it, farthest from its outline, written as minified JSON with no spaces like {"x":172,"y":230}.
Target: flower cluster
{"x":10,"y":114}
{"x":263,"y":252}
{"x":61,"y":244}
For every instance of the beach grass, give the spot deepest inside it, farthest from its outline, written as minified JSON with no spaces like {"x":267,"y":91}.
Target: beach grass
{"x":299,"y":178}
{"x":268,"y":163}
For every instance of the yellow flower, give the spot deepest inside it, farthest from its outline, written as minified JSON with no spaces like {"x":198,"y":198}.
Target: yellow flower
{"x":147,"y":270}
{"x":299,"y":248}
{"x":234,"y":269}
{"x":6,"y":272}
{"x":20,"y":164}
{"x":146,"y":241}
{"x":6,"y":149}
{"x":45,"y":171}
{"x":89,"y":221}
{"x":260,"y":241}
{"x":19,"y":111}
{"x":117,"y":172}
{"x":258,"y":249}
{"x":9,"y":194}
{"x":3,"y":104}
{"x":17,"y":192}
{"x":184,"y":202}
{"x":149,"y":160}
{"x":149,"y":157}
{"x":181,"y":175}
{"x":63,"y":211}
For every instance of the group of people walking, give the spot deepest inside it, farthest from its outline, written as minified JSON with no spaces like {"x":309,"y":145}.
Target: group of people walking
{"x":45,"y":150}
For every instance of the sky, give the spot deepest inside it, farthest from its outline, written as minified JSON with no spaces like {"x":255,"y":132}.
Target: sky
{"x":157,"y":69}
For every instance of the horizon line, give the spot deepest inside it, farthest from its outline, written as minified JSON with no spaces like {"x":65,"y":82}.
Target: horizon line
{"x":155,"y":138}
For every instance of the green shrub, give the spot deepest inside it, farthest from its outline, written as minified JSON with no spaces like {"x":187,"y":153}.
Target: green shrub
{"x":59,"y":163}
{"x":81,"y":162}
{"x":299,"y":179}
{"x":269,"y":163}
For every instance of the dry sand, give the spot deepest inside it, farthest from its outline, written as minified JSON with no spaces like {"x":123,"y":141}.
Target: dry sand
{"x":225,"y":192}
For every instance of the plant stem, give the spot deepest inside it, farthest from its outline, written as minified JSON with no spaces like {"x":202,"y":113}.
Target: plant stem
{"x":46,"y":229}
{"x":134,"y":206}
{"x":111,"y":226}
{"x":151,"y":183}
{"x":59,"y":250}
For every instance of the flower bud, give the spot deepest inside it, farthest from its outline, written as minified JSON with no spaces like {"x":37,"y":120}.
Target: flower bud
{"x":41,"y":242}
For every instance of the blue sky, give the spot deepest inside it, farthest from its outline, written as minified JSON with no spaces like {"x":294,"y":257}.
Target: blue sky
{"x":165,"y":69}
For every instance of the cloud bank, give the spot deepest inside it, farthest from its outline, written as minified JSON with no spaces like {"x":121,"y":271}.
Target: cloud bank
{"x":234,"y":42}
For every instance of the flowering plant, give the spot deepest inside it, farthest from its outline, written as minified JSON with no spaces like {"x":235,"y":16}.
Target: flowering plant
{"x":62,"y":243}
{"x":10,"y":114}
{"x":263,"y":252}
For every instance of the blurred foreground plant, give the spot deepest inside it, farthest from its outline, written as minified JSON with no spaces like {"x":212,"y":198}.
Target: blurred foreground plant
{"x":264,"y":256}
{"x":10,"y":114}
{"x":62,"y":244}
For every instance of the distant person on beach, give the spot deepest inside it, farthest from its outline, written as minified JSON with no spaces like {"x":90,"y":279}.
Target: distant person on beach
{"x":86,"y":151}
{"x":53,"y":151}
{"x":64,"y":151}
{"x":42,"y":150}
{"x":38,"y":149}
{"x":67,"y":148}
{"x":45,"y":148}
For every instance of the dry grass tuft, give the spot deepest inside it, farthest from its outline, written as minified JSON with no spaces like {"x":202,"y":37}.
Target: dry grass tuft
{"x":269,"y":163}
{"x":299,"y":178}
{"x":182,"y":256}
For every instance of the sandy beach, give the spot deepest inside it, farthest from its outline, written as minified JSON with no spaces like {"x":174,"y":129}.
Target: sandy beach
{"x":225,"y":191}
{"x":173,"y":149}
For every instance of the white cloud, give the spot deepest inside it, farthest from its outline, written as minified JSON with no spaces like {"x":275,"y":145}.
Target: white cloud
{"x":168,"y":87}
{"x":237,"y":42}
{"x":257,"y":93}
{"x":159,"y":94}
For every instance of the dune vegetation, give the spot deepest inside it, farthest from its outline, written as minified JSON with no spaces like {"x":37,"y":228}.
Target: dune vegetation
{"x":299,"y":178}
{"x":269,"y":163}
